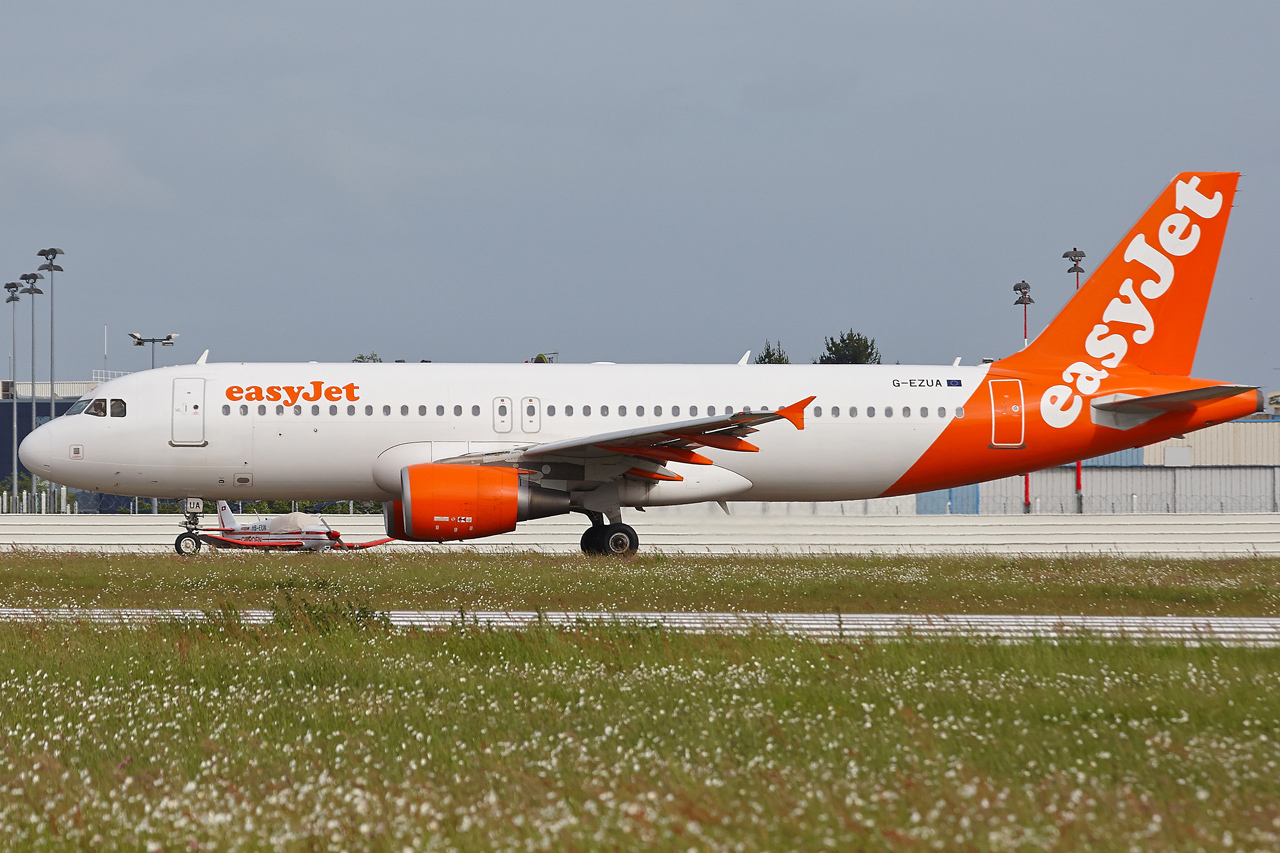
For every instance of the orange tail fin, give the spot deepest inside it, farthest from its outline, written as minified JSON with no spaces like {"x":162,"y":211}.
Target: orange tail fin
{"x":1145,"y":304}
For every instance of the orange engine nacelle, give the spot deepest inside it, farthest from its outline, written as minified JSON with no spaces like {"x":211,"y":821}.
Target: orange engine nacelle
{"x":439,"y":503}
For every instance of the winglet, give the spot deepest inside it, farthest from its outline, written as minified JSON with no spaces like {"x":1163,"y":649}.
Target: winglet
{"x":795,"y":412}
{"x":746,"y":355}
{"x":203,"y":357}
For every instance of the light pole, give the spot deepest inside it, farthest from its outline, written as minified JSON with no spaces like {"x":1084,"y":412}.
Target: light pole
{"x":31,"y":290}
{"x":167,"y":341}
{"x":1024,"y":299}
{"x":12,"y":287}
{"x":50,"y":255}
{"x":1076,"y":256}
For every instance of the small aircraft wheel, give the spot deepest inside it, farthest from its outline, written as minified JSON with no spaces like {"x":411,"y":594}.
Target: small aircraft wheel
{"x":619,"y":540}
{"x":187,"y":544}
{"x":593,"y":540}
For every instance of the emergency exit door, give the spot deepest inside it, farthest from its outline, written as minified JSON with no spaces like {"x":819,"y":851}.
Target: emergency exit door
{"x":188,"y":413}
{"x":1008,"y":428}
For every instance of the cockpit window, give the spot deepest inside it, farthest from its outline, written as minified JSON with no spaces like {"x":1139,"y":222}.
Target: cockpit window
{"x":98,"y":408}
{"x":117,"y":408}
{"x":77,"y":407}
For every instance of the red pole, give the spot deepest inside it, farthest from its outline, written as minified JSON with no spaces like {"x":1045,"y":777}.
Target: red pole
{"x":1079,"y":464}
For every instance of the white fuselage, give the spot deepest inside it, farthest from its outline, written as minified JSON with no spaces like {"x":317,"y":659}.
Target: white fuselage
{"x":323,"y":437}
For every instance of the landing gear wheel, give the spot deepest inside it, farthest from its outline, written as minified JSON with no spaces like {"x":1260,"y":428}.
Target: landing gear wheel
{"x":593,"y":540}
{"x":187,"y":544}
{"x":619,"y":540}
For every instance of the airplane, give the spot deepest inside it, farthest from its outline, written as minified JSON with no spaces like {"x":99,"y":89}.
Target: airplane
{"x":292,"y":531}
{"x":464,"y":451}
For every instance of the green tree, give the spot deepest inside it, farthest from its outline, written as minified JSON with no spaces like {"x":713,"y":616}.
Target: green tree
{"x":850,"y":348}
{"x":772,"y":354}
{"x":371,"y":357}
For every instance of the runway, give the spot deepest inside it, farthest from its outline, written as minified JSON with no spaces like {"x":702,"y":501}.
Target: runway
{"x":701,"y":530}
{"x":1189,"y":630}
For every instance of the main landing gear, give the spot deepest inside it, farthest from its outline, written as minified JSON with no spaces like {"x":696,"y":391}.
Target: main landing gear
{"x":618,"y":540}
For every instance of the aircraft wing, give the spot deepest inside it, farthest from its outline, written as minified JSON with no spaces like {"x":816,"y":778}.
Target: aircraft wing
{"x":650,"y":446}
{"x":1173,"y":402}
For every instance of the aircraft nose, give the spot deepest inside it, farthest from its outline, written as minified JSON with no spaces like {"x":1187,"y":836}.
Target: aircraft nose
{"x":36,"y":451}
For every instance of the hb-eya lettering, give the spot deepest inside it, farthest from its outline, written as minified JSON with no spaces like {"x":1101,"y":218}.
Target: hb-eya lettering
{"x":1178,"y":236}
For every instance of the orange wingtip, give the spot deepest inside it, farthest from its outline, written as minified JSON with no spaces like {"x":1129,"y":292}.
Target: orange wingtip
{"x":795,"y":412}
{"x":654,"y":475}
{"x":723,"y":442}
{"x":663,"y":454}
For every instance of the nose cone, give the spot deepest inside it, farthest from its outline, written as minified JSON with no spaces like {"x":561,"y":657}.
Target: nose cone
{"x":36,"y":451}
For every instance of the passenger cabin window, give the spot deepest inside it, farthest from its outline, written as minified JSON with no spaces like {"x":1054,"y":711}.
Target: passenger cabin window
{"x":315,"y":410}
{"x":604,"y":411}
{"x":924,"y":411}
{"x":835,"y":411}
{"x":439,"y":411}
{"x":817,"y":411}
{"x":657,"y":411}
{"x":871,"y":411}
{"x":711,"y":410}
{"x":77,"y":407}
{"x":226,"y":410}
{"x":675,"y":411}
{"x":502,"y":411}
{"x":888,"y":411}
{"x":333,"y":410}
{"x":297,"y":410}
{"x":117,"y":408}
{"x":693,"y":411}
{"x":906,"y":411}
{"x":551,"y":411}
{"x":568,"y":411}
{"x":853,"y":411}
{"x":622,"y":411}
{"x":640,"y":411}
{"x":942,"y":413}
{"x":457,"y":411}
{"x":422,"y":411}
{"x":586,"y":411}
{"x":244,"y":410}
{"x":279,"y":410}
{"x":475,"y":411}
{"x":386,"y":410}
{"x":351,"y":410}
{"x":262,"y":410}
{"x":404,"y":410}
{"x":959,"y":411}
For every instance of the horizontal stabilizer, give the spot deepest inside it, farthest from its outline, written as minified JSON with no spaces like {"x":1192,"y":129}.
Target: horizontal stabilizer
{"x":1174,"y":402}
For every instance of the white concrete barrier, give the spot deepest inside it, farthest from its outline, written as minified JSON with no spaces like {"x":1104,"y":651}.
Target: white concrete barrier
{"x":690,"y":530}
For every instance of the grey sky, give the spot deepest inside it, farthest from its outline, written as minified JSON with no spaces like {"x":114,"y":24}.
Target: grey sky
{"x":644,"y":182}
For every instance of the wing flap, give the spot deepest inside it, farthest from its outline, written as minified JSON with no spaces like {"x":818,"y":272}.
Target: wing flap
{"x":663,"y":442}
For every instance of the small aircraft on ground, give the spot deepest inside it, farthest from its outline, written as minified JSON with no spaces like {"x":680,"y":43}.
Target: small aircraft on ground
{"x":292,"y":531}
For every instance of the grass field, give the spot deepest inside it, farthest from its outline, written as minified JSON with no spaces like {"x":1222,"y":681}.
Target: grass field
{"x":523,"y":581}
{"x":328,"y":730}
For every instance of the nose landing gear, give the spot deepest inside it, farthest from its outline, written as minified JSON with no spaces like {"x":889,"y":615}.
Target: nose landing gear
{"x":189,"y":543}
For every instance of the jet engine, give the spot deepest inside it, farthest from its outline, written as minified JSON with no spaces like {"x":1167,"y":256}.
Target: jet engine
{"x":439,"y":503}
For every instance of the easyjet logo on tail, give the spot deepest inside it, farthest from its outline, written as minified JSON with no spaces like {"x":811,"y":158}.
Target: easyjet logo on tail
{"x":1126,"y":318}
{"x":291,"y":394}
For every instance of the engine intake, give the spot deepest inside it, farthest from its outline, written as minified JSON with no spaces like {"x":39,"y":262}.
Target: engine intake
{"x":441,"y":503}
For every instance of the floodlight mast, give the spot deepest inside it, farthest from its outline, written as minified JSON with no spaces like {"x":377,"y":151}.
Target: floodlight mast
{"x":12,"y":287}
{"x":1076,"y":256}
{"x":32,"y":290}
{"x":167,"y":341}
{"x":1024,"y":299}
{"x":50,"y":255}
